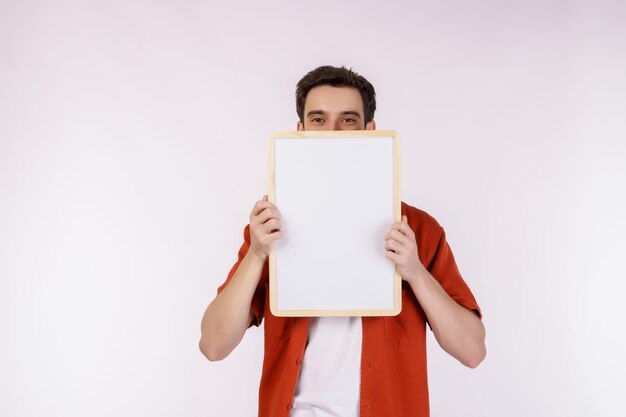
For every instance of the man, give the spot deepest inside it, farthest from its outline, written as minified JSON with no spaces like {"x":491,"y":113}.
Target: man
{"x":347,"y":366}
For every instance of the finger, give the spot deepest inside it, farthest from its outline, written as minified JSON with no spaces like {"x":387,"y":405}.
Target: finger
{"x":260,"y":206}
{"x":389,"y":245}
{"x":266,"y":215}
{"x":274,"y":236}
{"x":394,"y":227}
{"x":403,"y":227}
{"x":265,"y":235}
{"x":395,"y":246}
{"x":392,"y":256}
{"x":399,"y":236}
{"x":407,"y":228}
{"x":265,"y":197}
{"x":396,"y":234}
{"x":271,"y":226}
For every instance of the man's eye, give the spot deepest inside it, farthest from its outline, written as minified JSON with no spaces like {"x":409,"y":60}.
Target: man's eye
{"x":317,"y":120}
{"x":349,"y":120}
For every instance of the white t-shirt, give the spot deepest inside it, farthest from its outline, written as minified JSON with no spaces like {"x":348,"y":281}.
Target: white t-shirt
{"x":330,"y":377}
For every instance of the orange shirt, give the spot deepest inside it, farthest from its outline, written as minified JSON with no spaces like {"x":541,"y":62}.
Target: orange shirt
{"x":393,"y":355}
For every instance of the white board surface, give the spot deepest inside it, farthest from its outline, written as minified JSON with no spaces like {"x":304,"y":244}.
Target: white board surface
{"x":338,"y":196}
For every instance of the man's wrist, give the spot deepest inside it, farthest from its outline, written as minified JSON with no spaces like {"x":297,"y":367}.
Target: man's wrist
{"x":255,"y":258}
{"x":418,"y":275}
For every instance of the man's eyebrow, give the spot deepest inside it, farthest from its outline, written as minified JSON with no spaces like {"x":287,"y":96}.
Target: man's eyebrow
{"x":343,"y":113}
{"x":352,"y":113}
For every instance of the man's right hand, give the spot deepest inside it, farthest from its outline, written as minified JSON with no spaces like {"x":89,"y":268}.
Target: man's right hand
{"x":265,"y":227}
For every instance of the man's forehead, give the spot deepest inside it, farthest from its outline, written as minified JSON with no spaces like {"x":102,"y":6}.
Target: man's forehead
{"x":328,"y":98}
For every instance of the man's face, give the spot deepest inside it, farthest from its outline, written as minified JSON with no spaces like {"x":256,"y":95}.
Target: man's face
{"x":334,"y":108}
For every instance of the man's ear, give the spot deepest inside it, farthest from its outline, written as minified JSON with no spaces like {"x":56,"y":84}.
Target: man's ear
{"x":300,"y":126}
{"x":371,"y":125}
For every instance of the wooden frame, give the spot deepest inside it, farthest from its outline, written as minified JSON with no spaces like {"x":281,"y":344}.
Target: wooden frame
{"x":392,"y":292}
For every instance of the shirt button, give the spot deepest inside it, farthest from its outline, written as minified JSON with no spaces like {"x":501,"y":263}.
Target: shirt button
{"x":289,"y":406}
{"x":298,"y":362}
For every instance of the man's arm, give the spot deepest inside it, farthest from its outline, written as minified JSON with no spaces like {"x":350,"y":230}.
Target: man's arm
{"x":229,"y":315}
{"x":458,"y":330}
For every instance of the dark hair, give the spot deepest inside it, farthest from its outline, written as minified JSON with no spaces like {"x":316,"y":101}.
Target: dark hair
{"x":336,"y":77}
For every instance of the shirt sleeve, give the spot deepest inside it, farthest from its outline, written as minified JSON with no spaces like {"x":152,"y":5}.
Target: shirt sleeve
{"x":443,"y":267}
{"x":258,"y":299}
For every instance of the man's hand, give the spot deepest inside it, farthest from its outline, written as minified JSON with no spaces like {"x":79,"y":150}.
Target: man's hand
{"x":402,"y":250}
{"x":265,"y":227}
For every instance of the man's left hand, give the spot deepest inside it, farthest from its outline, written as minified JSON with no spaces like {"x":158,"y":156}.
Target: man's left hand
{"x":401,"y":248}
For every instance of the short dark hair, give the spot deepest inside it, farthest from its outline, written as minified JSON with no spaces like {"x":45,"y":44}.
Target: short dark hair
{"x":336,"y":77}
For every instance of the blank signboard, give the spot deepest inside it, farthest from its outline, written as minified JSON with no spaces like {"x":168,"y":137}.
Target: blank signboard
{"x":338,"y":193}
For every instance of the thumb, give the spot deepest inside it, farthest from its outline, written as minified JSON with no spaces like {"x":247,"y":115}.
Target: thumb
{"x":265,"y":198}
{"x":404,"y":219}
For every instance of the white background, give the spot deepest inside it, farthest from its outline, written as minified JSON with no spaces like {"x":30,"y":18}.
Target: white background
{"x":133,"y":145}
